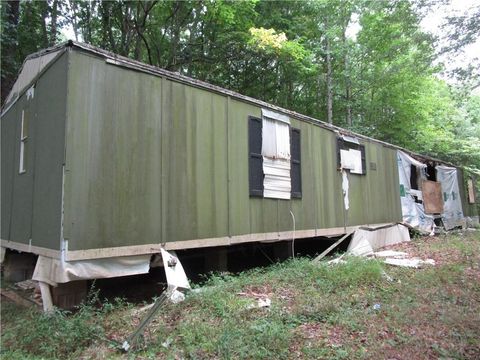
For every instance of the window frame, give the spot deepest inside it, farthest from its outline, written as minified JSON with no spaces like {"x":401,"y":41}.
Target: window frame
{"x":22,"y":163}
{"x":343,"y":144}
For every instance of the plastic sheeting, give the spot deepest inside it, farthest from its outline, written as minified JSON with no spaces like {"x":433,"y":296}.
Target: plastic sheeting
{"x":452,"y":215}
{"x":366,"y":241}
{"x":275,"y":139}
{"x":413,"y":213}
{"x":55,"y":271}
{"x":345,"y":189}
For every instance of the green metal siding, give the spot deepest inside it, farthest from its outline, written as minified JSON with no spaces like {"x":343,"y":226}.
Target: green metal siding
{"x":151,"y":160}
{"x":31,"y":202}
{"x":10,"y":142}
{"x":50,"y":98}
{"x":112,"y":188}
{"x":468,"y":209}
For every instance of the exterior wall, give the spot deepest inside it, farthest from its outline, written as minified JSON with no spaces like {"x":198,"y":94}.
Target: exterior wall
{"x":150,"y":161}
{"x":31,"y":202}
{"x":468,"y":209}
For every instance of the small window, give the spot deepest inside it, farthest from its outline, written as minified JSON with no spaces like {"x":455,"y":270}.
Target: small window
{"x":351,"y":155}
{"x":22,"y":168}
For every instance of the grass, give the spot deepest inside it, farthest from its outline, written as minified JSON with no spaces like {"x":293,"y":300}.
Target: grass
{"x":317,"y":311}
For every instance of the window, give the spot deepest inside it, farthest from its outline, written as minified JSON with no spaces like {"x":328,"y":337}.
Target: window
{"x":351,"y":155}
{"x":23,"y":144}
{"x":274,"y":157}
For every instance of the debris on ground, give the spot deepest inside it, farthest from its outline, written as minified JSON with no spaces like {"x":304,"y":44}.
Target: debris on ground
{"x":416,"y":263}
{"x":262,"y":300}
{"x":27,"y":284}
{"x":391,"y":253}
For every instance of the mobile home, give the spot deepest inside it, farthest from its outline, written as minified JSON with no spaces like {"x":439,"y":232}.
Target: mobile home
{"x":106,"y":160}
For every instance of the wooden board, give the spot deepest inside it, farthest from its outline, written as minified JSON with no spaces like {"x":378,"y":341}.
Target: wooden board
{"x":432,"y":197}
{"x":471,"y":191}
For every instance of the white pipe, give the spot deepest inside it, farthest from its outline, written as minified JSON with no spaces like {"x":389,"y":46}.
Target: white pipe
{"x":293,"y":239}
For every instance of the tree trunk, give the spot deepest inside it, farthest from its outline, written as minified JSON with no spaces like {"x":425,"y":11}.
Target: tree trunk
{"x":329,"y":83}
{"x":9,"y":47}
{"x":53,"y":26}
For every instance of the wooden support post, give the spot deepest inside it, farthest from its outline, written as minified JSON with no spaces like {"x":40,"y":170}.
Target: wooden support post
{"x":330,"y":248}
{"x":46,"y":297}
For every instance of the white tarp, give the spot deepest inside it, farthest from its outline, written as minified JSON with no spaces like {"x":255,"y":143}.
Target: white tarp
{"x":345,"y":184}
{"x":452,"y":215}
{"x":55,"y":271}
{"x":413,"y":213}
{"x":276,"y":155}
{"x":366,"y":241}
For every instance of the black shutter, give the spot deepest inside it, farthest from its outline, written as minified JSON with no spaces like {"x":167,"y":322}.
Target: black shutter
{"x":364,"y":159}
{"x":295,"y":163}
{"x":255,"y":164}
{"x":340,"y":146}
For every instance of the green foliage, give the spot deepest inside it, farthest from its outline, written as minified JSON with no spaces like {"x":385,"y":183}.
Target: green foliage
{"x":55,"y":335}
{"x":317,"y":311}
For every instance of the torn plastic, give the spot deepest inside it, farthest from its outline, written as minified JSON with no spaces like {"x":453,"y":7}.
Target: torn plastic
{"x":55,"y":271}
{"x":345,"y":189}
{"x":413,"y":213}
{"x":452,"y":215}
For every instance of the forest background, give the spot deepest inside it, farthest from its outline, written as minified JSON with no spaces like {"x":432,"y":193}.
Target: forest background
{"x":364,"y":65}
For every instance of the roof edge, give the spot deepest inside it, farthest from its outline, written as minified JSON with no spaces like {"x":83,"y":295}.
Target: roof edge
{"x":120,"y":60}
